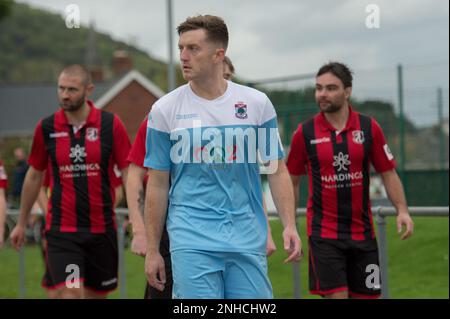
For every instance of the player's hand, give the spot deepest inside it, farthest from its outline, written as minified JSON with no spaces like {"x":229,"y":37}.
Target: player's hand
{"x":18,"y":237}
{"x":270,"y":245}
{"x":292,"y":244}
{"x":139,"y":244}
{"x":404,"y":219}
{"x":155,"y":271}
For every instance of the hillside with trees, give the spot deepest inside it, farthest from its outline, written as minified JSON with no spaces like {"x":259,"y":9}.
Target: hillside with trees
{"x":35,"y":44}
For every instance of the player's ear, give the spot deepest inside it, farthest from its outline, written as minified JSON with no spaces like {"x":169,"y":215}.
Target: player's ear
{"x":348,"y":92}
{"x":219,"y":55}
{"x":89,"y":89}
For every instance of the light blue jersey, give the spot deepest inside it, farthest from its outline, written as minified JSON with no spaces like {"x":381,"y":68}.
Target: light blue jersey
{"x":211,"y":149}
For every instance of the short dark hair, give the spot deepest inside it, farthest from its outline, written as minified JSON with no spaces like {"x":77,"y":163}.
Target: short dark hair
{"x":78,"y":70}
{"x":228,"y":62}
{"x":215,"y":27}
{"x":340,"y":70}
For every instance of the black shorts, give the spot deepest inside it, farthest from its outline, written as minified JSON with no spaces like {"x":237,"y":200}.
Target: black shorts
{"x":344,"y":265}
{"x":164,"y":249}
{"x":91,"y":258}
{"x":47,"y":281}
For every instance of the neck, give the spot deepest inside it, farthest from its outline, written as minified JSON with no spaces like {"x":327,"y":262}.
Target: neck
{"x":79,"y":116}
{"x":209,"y":88}
{"x":339,"y":119}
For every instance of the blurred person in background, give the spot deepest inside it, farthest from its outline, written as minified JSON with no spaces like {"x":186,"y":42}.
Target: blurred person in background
{"x":19,"y":172}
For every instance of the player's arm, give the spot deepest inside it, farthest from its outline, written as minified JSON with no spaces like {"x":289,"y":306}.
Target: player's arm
{"x":283,"y":196}
{"x":124,"y":174}
{"x":119,"y":187}
{"x":156,"y":200}
{"x":384,"y":163}
{"x":135,"y":200}
{"x":118,"y":195}
{"x":270,"y":244}
{"x":42,"y":200}
{"x":30,"y":192}
{"x":2,"y":215}
{"x":296,"y":184}
{"x":396,"y":195}
{"x":121,"y":148}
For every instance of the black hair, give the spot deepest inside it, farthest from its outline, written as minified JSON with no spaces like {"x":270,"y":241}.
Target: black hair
{"x":340,"y":70}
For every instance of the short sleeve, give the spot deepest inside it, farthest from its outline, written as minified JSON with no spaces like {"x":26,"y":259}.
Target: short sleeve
{"x":269,"y":141}
{"x":39,"y":156}
{"x":380,"y":155}
{"x":297,"y":158}
{"x":157,"y":143}
{"x":121,"y":145}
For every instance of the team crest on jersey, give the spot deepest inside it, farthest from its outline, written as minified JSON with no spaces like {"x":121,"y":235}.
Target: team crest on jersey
{"x":92,"y":134}
{"x":240,"y":110}
{"x":358,"y":137}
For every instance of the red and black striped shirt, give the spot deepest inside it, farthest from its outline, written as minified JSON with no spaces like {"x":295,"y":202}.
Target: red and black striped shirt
{"x":81,"y":168}
{"x":338,"y":166}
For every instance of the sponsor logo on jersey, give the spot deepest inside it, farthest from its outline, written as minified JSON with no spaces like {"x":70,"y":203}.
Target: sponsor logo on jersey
{"x":186,"y":116}
{"x":320,"y":140}
{"x":78,"y":153}
{"x":58,"y":134}
{"x":341,"y":161}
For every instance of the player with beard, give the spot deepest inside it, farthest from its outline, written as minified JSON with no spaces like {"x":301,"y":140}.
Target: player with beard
{"x":335,"y":149}
{"x":81,"y":144}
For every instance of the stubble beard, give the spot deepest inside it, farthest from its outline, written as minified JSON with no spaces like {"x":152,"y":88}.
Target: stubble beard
{"x":73,"y":107}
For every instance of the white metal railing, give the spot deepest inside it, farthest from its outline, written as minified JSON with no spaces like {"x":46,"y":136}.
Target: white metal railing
{"x":380,"y":214}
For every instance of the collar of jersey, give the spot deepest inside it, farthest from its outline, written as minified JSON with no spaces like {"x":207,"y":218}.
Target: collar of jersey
{"x":90,"y":119}
{"x":351,"y":122}
{"x":210,"y":102}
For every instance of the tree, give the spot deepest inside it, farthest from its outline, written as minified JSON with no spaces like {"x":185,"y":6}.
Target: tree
{"x":5,"y":8}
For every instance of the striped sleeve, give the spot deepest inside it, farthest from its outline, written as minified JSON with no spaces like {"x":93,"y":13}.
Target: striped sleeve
{"x":38,"y":157}
{"x":380,"y":155}
{"x":121,"y":144}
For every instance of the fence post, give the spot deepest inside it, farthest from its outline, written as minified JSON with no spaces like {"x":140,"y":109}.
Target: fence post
{"x":382,"y":237}
{"x":121,"y":247}
{"x":22,"y":290}
{"x":440,"y":105}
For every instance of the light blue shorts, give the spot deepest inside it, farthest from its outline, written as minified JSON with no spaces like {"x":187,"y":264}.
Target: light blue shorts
{"x":219,"y":275}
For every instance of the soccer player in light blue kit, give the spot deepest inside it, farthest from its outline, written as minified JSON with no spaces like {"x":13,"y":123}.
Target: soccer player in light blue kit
{"x":203,"y":141}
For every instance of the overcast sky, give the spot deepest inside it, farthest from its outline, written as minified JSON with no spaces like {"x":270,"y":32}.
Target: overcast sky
{"x":286,"y":37}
